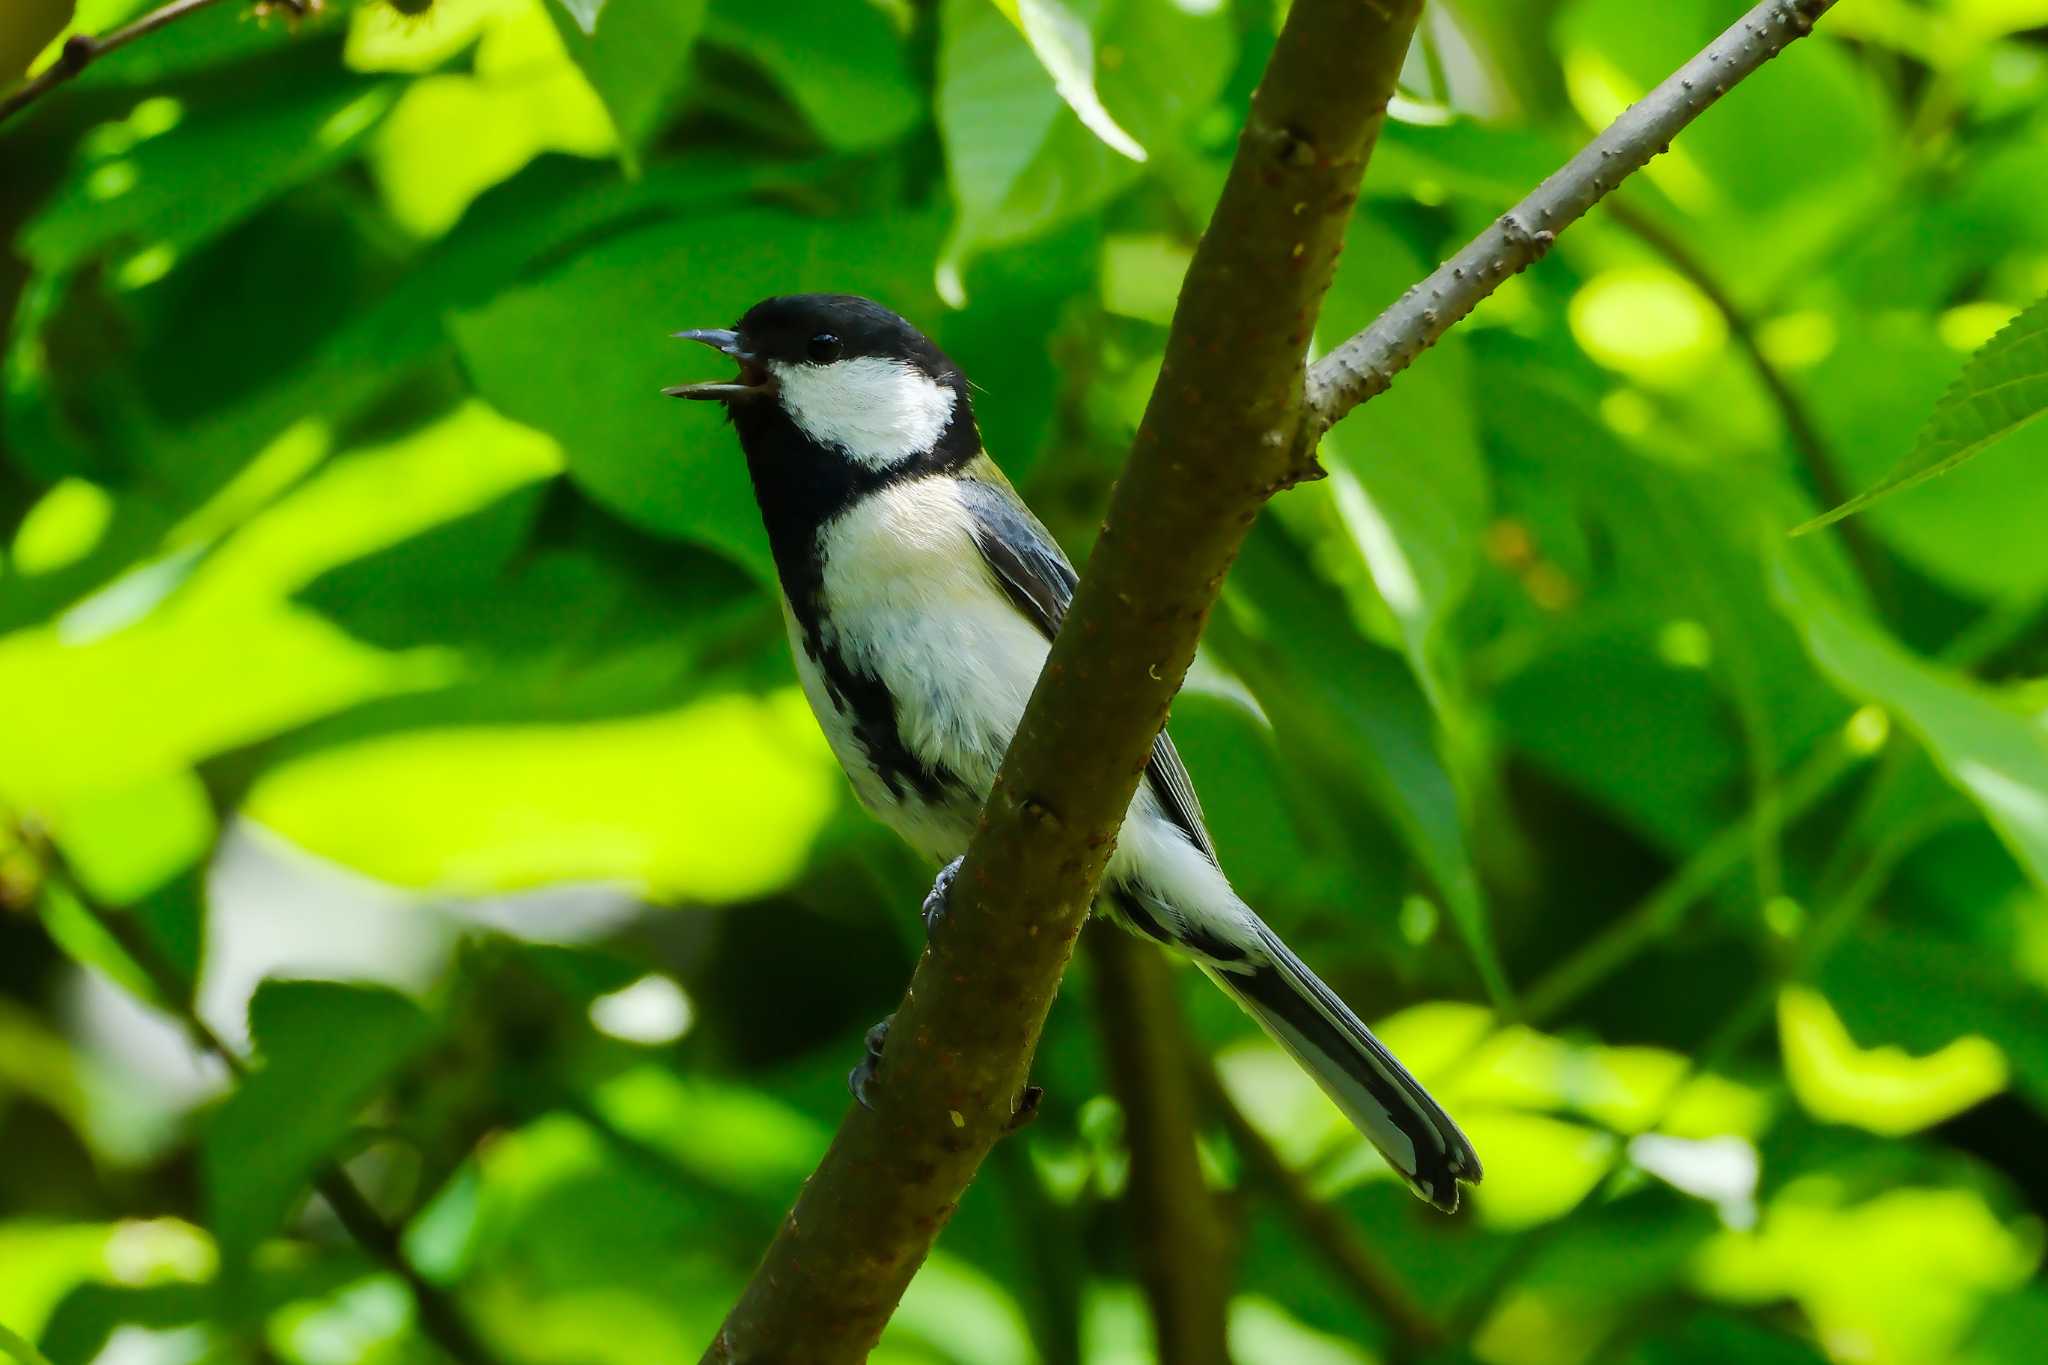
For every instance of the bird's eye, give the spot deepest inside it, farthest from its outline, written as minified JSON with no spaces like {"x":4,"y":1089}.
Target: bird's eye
{"x":823,"y":348}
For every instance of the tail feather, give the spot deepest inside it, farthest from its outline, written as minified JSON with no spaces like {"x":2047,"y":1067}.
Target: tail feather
{"x":1411,"y":1130}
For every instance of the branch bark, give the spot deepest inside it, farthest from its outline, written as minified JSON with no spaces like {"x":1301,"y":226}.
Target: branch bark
{"x":1220,"y":436}
{"x":83,"y":49}
{"x":1176,"y":1233}
{"x":1367,"y":363}
{"x":1232,"y":420}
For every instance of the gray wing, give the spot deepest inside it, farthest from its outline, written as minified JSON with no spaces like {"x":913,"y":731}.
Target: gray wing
{"x":1039,"y":581}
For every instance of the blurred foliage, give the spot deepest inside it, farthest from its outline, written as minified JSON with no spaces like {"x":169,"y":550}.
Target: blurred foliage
{"x":389,"y":675}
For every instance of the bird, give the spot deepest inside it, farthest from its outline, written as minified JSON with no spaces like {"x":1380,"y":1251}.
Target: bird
{"x":921,"y":596}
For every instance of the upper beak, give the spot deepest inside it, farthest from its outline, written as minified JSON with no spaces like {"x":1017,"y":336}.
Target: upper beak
{"x":753,"y":377}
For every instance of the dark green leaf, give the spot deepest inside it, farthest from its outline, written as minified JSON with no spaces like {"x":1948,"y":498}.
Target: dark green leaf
{"x":634,"y":54}
{"x":325,"y":1050}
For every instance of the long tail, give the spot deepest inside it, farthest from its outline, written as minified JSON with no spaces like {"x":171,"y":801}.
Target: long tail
{"x":1375,"y":1091}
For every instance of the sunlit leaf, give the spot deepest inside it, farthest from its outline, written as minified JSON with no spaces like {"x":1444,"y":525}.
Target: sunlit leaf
{"x":2003,"y":388}
{"x":483,"y":809}
{"x":1904,"y":1271}
{"x":452,"y":136}
{"x":1882,"y":1089}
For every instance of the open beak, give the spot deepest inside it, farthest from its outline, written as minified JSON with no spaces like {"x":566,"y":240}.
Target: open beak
{"x":752,"y":380}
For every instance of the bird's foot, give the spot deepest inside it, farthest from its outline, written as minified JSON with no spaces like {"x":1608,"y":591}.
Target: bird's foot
{"x":938,"y":900}
{"x":861,"y":1080}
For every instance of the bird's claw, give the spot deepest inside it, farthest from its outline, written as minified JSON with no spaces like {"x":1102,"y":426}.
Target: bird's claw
{"x":861,"y":1080}
{"x":938,"y":899}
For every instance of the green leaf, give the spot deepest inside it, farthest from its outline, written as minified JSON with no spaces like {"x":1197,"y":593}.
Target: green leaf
{"x":634,"y":53}
{"x":150,"y":200}
{"x":1989,"y":749}
{"x":19,"y":1351}
{"x":840,"y":62}
{"x":584,"y":12}
{"x":584,"y":353}
{"x":2002,"y":388}
{"x":1407,"y":480}
{"x":1019,"y":162}
{"x":1359,"y":706}
{"x":326,"y":1049}
{"x":1061,"y":42}
{"x":481,"y":808}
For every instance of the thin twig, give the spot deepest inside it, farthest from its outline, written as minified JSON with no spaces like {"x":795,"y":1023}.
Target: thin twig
{"x":1328,"y":1231}
{"x":1367,"y":363}
{"x":1822,"y":468}
{"x":1176,"y":1233}
{"x":81,"y":50}
{"x":439,"y":1316}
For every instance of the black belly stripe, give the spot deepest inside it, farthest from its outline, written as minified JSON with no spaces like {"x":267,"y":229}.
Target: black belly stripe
{"x":870,"y":711}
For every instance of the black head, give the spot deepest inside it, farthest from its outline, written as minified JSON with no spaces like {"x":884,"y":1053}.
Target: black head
{"x":845,"y":375}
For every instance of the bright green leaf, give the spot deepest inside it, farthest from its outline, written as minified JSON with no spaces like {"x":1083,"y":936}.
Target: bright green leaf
{"x":490,"y":808}
{"x":1882,"y":1089}
{"x":2003,"y":388}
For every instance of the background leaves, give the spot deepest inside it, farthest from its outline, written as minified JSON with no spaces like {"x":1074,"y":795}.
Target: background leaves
{"x":390,"y":676}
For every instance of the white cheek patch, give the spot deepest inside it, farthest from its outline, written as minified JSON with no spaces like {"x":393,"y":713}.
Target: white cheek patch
{"x":878,"y":411}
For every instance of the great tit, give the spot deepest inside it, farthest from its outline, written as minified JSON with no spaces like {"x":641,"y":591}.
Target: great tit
{"x":922,"y":596}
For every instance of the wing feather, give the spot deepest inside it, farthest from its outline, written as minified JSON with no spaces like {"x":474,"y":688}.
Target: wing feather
{"x":1029,"y":565}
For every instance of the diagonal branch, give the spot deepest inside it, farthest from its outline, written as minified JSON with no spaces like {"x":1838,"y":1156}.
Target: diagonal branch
{"x":1230,"y":422}
{"x":1367,"y":363}
{"x":1220,"y":436}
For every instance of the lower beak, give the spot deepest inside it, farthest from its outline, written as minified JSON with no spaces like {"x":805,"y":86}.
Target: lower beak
{"x":752,"y":380}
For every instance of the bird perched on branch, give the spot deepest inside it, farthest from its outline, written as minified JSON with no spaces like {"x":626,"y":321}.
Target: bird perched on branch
{"x":922,"y":597}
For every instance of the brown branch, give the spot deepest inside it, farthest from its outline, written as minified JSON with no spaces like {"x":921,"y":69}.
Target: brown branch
{"x":1219,"y":437}
{"x":1230,"y":422}
{"x":1328,"y":1231}
{"x":1176,"y":1233}
{"x":1367,"y":363}
{"x":1822,"y":468}
{"x":440,"y":1317}
{"x":81,"y":50}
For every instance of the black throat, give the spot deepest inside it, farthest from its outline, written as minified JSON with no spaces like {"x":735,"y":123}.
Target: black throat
{"x":801,"y":487}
